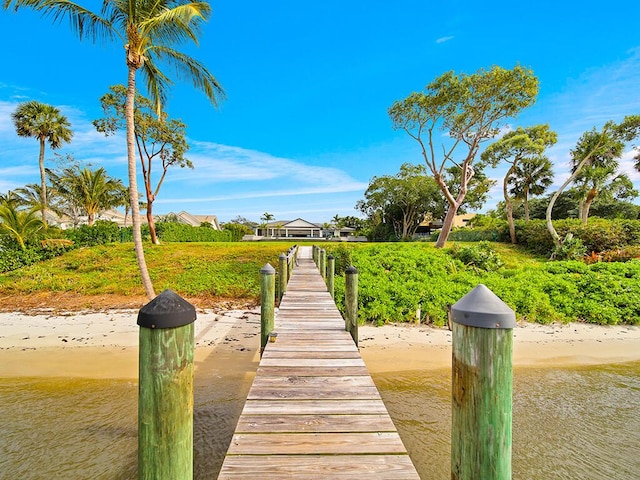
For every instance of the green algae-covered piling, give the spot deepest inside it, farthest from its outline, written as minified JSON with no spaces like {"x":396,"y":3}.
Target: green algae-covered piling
{"x":482,"y":387}
{"x":165,"y":402}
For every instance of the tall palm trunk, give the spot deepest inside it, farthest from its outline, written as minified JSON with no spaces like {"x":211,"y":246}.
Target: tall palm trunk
{"x":43,"y":182}
{"x":526,"y":203}
{"x":133,"y":186}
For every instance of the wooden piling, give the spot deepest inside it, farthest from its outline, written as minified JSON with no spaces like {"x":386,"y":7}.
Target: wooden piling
{"x":267,"y":303}
{"x":165,"y":403}
{"x":331,"y":272}
{"x":482,"y":387}
{"x":322,"y":264}
{"x":351,"y":302}
{"x":283,"y":276}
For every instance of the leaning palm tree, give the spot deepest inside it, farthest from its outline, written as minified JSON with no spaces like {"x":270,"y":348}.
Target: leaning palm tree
{"x":147,"y":29}
{"x":47,"y":124}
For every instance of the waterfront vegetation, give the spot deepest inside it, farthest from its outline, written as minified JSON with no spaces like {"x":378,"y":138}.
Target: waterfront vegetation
{"x":398,"y":282}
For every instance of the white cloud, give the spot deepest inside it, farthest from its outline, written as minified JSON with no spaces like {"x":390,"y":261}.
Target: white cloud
{"x":444,"y":39}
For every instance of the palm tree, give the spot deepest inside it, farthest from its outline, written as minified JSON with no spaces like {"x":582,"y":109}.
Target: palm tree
{"x":20,"y":225}
{"x":89,"y":191}
{"x":147,"y":30}
{"x":47,"y":124}
{"x":531,"y":177}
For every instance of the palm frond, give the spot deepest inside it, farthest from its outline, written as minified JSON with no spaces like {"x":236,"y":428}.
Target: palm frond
{"x":189,"y":68}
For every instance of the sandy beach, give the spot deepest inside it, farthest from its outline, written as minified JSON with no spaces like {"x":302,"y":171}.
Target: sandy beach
{"x":104,"y":344}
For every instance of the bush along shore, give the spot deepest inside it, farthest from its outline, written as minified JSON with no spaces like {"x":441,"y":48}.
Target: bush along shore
{"x":415,"y":282}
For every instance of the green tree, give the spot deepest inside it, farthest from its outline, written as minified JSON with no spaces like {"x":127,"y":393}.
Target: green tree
{"x":20,"y":226}
{"x":469,"y":109}
{"x":532,"y":177}
{"x":514,"y":148}
{"x":158,"y":140}
{"x":45,"y":123}
{"x":594,"y":147}
{"x":87,"y":191}
{"x":600,"y":177}
{"x":148,"y":30}
{"x":402,"y":200}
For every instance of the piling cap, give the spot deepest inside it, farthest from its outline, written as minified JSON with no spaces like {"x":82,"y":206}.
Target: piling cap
{"x":331,"y":257}
{"x":268,"y":270}
{"x":282,"y":256}
{"x":351,"y":270}
{"x":167,"y":310}
{"x":482,"y":308}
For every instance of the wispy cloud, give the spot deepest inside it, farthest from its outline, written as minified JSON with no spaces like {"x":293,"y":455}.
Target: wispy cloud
{"x":444,"y":39}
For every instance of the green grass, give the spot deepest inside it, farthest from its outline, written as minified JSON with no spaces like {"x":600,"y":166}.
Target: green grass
{"x":229,"y":270}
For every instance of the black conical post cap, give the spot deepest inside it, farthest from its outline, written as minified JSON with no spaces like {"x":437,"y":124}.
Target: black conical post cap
{"x":167,"y":310}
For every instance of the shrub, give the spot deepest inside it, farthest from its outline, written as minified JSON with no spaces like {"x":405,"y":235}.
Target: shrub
{"x":100,"y":233}
{"x":481,"y":256}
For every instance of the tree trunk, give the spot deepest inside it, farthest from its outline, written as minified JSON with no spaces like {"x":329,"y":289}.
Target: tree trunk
{"x":43,"y":183}
{"x":509,"y":205}
{"x":152,"y":225}
{"x":593,"y":193}
{"x":133,"y":186}
{"x":447,"y":225}
{"x":526,"y":204}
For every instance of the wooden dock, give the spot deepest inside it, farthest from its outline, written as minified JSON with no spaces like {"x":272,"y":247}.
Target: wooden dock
{"x":313,"y":411}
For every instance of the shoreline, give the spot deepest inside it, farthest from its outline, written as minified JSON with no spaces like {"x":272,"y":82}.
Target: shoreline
{"x":105,"y":344}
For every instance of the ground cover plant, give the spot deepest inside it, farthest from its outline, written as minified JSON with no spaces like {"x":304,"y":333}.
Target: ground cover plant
{"x":416,"y":282}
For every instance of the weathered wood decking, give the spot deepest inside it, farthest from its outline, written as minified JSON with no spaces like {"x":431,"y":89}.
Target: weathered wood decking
{"x":313,"y":411}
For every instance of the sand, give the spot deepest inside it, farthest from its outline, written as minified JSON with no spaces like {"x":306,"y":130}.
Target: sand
{"x":104,"y":344}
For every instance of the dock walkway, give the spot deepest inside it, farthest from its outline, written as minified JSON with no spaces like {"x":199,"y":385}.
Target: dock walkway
{"x":313,"y":411}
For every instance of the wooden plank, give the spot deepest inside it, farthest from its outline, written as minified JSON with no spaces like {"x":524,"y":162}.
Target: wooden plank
{"x":379,"y":467}
{"x":313,"y":407}
{"x":332,"y":353}
{"x":312,"y":371}
{"x":304,"y":392}
{"x":315,"y":423}
{"x":314,"y":382}
{"x":315,"y":443}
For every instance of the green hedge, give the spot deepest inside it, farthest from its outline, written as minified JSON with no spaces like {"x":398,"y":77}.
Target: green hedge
{"x":179,"y":232}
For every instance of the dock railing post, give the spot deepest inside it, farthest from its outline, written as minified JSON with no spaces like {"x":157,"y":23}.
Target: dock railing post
{"x":283,"y":276}
{"x":267,"y":303}
{"x":351,"y":302}
{"x":165,"y":392}
{"x":323,"y":263}
{"x":331,"y":272}
{"x":482,"y":380}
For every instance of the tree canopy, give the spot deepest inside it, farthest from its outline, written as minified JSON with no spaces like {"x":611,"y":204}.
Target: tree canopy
{"x":469,"y":110}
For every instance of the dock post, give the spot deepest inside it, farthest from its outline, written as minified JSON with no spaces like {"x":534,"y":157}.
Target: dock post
{"x":283,"y":276}
{"x":267,"y":303}
{"x":165,"y":392}
{"x":331,"y":272}
{"x":482,"y":380}
{"x":322,"y":264}
{"x":351,"y":302}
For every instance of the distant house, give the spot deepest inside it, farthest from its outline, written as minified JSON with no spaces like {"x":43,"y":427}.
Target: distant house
{"x":297,"y":228}
{"x":300,"y":228}
{"x":427,"y":227}
{"x":196,"y":220}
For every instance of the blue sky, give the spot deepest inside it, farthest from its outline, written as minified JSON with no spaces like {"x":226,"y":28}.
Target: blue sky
{"x":304,"y":126}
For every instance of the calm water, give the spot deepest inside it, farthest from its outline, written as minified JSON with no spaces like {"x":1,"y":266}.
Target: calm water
{"x":569,"y":423}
